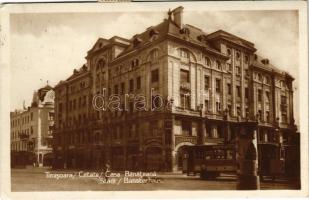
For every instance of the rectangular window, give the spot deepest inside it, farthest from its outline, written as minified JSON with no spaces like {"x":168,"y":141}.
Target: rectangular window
{"x":50,"y":129}
{"x":267,"y":96}
{"x":116,"y":89}
{"x":238,"y":70}
{"x":229,"y":67}
{"x":206,"y":82}
{"x":260,"y":115}
{"x":138,"y":82}
{"x":207,"y":105}
{"x":247,"y":111}
{"x":218,"y":106}
{"x":218,"y":85}
{"x":79,"y":102}
{"x":51,"y":116}
{"x":184,"y":76}
{"x":283,"y":100}
{"x":70,"y":105}
{"x":267,"y":116}
{"x":259,"y":95}
{"x":31,"y":116}
{"x":238,"y":111}
{"x":122,"y":87}
{"x":247,"y":93}
{"x":186,"y":128}
{"x":131,"y":84}
{"x":84,"y":100}
{"x":185,"y":101}
{"x":229,"y":89}
{"x":229,"y":107}
{"x":246,"y":72}
{"x":284,"y":117}
{"x":238,"y":91}
{"x":155,"y":75}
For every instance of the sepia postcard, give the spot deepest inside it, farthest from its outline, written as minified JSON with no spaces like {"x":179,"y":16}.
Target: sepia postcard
{"x":154,"y":100}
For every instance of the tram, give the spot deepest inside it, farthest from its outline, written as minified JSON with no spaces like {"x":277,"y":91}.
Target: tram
{"x":210,"y":160}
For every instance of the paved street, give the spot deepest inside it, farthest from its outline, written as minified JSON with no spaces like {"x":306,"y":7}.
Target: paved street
{"x":36,"y":179}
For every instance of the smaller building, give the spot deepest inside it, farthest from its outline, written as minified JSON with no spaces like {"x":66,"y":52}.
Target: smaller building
{"x":31,"y":131}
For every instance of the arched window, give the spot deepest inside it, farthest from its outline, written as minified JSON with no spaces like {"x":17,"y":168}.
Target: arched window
{"x":207,"y":62}
{"x":246,"y":59}
{"x":237,"y":55}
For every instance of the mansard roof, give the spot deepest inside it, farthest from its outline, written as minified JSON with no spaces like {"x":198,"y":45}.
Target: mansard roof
{"x":103,"y":43}
{"x":187,"y":33}
{"x":223,"y":35}
{"x":78,"y":72}
{"x":264,"y":64}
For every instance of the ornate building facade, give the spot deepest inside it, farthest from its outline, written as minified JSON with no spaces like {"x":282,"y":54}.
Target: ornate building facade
{"x":32,"y":129}
{"x":205,"y":84}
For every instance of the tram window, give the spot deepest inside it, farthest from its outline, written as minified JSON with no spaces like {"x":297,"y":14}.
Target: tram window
{"x":207,"y":157}
{"x":229,"y":155}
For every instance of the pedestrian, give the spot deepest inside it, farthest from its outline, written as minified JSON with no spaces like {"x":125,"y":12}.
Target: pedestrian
{"x":107,"y":169}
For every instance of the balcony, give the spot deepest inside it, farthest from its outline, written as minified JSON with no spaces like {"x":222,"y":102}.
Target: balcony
{"x":185,"y":86}
{"x":187,"y":111}
{"x":185,"y":60}
{"x":185,"y":138}
{"x":23,"y":136}
{"x":210,"y":140}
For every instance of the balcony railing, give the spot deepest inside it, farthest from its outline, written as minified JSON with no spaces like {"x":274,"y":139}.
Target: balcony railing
{"x":214,"y":140}
{"x":185,"y":86}
{"x":23,"y":136}
{"x":184,"y":60}
{"x":185,"y":138}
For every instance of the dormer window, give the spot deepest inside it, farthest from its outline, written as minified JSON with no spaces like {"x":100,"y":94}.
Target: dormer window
{"x":153,"y":32}
{"x":185,"y":31}
{"x":137,"y":41}
{"x":202,"y":38}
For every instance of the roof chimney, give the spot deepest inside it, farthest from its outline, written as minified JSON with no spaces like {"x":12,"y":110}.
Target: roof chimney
{"x":177,"y":15}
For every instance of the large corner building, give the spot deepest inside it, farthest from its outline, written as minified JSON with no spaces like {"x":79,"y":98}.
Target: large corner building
{"x":209,"y":83}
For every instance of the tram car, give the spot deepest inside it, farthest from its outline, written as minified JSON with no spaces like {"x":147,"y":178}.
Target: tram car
{"x":210,"y":160}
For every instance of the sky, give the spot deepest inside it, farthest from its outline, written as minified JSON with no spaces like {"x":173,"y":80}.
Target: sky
{"x":48,"y":46}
